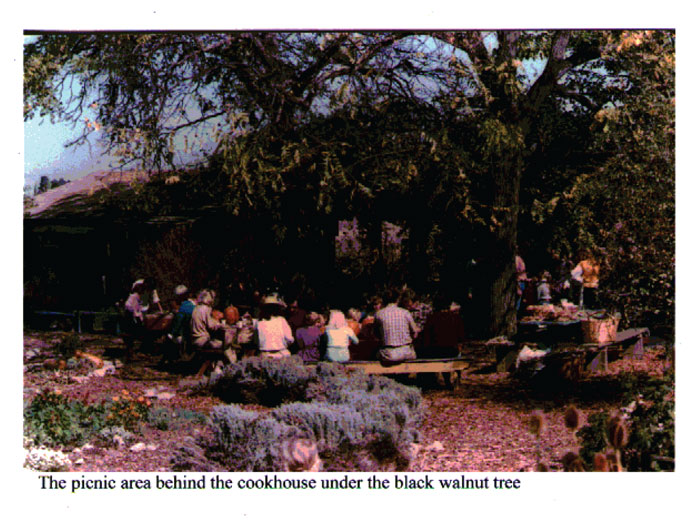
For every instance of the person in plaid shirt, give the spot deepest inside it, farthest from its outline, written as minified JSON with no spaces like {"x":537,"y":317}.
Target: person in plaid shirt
{"x":396,"y":330}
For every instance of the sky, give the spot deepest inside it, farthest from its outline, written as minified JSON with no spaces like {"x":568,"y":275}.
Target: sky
{"x":46,"y":154}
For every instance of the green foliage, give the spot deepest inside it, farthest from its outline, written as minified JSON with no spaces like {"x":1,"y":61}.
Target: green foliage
{"x":52,"y":419}
{"x":593,"y":437}
{"x":613,"y":190}
{"x":650,"y":414}
{"x":651,"y":411}
{"x":567,"y":136}
{"x":126,"y":411}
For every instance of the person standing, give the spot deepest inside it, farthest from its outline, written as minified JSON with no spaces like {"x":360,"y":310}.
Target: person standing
{"x":396,"y":331}
{"x":134,"y":312}
{"x":544,"y":295}
{"x":587,"y":272}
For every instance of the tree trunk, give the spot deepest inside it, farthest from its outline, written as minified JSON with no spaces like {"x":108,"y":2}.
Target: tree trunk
{"x":500,"y":260}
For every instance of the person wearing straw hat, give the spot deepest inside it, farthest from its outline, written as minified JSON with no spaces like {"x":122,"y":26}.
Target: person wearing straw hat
{"x":274,"y":335}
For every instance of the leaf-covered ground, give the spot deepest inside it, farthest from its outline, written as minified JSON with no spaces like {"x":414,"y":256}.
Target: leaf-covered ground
{"x":479,"y":426}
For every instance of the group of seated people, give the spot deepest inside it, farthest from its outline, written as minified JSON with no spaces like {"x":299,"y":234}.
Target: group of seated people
{"x":387,"y":330}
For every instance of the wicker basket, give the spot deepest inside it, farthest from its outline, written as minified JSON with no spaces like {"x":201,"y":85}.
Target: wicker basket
{"x":600,"y":330}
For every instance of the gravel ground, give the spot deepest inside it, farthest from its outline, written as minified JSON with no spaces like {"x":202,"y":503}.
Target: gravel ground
{"x":480,"y":426}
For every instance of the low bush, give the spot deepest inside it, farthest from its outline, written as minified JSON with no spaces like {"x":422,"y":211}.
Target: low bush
{"x":107,"y":435}
{"x":52,"y":419}
{"x":246,"y":441}
{"x":330,"y":426}
{"x":343,"y":411}
{"x":266,"y":381}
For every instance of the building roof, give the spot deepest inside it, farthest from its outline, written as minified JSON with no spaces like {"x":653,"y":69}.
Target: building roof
{"x":82,"y":196}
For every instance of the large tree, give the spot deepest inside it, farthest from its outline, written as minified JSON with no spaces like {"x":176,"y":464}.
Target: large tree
{"x":257,"y":99}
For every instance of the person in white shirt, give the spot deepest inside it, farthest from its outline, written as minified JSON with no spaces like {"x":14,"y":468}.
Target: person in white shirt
{"x":338,"y":337}
{"x":544,"y":295}
{"x":146,"y":286}
{"x":274,"y":335}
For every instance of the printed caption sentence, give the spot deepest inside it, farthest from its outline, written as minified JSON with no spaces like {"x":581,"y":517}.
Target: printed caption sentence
{"x":275,"y":482}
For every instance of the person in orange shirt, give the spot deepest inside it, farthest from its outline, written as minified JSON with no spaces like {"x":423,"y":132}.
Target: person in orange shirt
{"x":587,"y":272}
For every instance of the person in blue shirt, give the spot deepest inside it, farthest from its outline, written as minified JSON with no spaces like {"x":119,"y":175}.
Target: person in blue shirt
{"x":181,"y":321}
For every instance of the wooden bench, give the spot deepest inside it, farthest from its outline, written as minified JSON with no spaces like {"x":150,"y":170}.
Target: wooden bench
{"x":452,"y":366}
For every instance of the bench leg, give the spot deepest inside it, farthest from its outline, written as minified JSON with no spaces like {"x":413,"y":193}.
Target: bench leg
{"x":205,"y":366}
{"x":600,"y":361}
{"x":636,"y":351}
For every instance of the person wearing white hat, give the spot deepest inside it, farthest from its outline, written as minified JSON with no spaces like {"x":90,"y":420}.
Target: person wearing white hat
{"x":274,"y":335}
{"x":145,"y":286}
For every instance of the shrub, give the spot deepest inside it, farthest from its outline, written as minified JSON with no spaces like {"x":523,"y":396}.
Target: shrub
{"x":160,"y":418}
{"x":267,"y":381}
{"x":106,"y":435}
{"x":344,"y":411}
{"x":127,"y":411}
{"x":51,"y":419}
{"x":649,"y":415}
{"x":245,"y":441}
{"x":331,"y":426}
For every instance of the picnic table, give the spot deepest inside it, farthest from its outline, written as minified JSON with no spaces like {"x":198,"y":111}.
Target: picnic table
{"x":550,"y":331}
{"x":577,"y":356}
